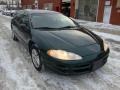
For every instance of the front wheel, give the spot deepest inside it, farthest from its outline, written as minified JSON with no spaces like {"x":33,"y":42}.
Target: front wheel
{"x":36,"y":58}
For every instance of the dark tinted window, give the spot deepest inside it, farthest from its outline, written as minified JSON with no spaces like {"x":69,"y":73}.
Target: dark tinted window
{"x":18,"y":16}
{"x":23,"y":19}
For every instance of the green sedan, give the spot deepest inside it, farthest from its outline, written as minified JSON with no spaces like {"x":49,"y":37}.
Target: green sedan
{"x":58,"y":42}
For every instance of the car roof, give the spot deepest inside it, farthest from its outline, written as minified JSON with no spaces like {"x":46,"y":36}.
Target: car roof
{"x":32,"y":11}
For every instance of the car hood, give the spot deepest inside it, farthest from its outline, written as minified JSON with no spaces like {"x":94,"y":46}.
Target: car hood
{"x":69,"y":40}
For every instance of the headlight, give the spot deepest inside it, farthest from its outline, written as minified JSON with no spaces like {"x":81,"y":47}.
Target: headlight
{"x":105,"y":46}
{"x":63,"y":55}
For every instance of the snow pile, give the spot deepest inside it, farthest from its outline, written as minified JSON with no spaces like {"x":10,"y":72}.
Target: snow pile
{"x":7,"y":24}
{"x":108,"y":36}
{"x":97,"y":25}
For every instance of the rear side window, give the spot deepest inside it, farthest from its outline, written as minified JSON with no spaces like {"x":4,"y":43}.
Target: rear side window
{"x":22,"y":17}
{"x":18,"y":13}
{"x":18,"y":16}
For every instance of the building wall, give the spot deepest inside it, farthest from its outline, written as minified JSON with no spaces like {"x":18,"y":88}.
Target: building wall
{"x":56,"y":6}
{"x":55,"y":3}
{"x":115,"y":14}
{"x":52,"y":4}
{"x":27,"y":3}
{"x":87,"y":10}
{"x":100,"y":14}
{"x":41,"y":4}
{"x":72,"y":11}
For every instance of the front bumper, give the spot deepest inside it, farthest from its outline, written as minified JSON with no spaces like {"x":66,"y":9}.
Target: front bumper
{"x":76,"y":68}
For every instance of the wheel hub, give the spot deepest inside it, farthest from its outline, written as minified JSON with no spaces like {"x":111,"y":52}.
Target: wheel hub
{"x":35,"y":58}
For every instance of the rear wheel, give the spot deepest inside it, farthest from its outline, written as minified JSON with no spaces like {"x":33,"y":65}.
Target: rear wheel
{"x":36,"y":58}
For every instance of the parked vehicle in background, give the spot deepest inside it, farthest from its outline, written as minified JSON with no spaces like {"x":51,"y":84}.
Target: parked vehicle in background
{"x":6,"y":12}
{"x":9,"y":12}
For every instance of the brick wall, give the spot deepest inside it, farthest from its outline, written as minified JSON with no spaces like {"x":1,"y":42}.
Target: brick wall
{"x":101,"y":10}
{"x":56,"y":5}
{"x":115,"y":13}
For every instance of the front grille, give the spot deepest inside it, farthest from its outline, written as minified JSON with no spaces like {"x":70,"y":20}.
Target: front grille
{"x":74,"y":69}
{"x":81,"y":68}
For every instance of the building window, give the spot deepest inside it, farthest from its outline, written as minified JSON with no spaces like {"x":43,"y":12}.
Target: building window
{"x":87,"y":9}
{"x":118,"y":4}
{"x":48,"y":6}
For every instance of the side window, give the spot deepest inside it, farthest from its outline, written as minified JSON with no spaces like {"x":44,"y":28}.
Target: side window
{"x":18,"y":19}
{"x":18,"y":16}
{"x":24,"y":19}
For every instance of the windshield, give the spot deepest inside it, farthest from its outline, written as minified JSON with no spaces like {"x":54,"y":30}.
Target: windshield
{"x":51,"y":21}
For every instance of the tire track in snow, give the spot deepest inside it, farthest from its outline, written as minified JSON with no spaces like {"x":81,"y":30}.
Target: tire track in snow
{"x":22,"y":79}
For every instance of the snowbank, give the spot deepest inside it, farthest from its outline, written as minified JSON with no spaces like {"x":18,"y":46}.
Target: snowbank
{"x":97,"y":25}
{"x":108,"y":36}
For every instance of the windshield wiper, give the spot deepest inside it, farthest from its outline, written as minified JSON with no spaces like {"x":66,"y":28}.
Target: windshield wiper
{"x":45,"y":28}
{"x":66,"y":27}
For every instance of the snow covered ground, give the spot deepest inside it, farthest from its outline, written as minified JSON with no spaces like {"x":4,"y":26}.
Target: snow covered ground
{"x":18,"y":73}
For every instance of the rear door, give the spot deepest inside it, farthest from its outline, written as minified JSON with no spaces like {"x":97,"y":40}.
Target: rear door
{"x":16,"y":24}
{"x":21,"y":27}
{"x":24,"y":28}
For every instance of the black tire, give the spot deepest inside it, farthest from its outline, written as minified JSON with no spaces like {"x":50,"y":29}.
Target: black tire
{"x":39,"y":66}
